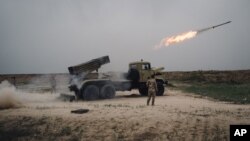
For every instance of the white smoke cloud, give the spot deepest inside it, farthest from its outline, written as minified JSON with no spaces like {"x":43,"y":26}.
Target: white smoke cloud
{"x":9,"y":96}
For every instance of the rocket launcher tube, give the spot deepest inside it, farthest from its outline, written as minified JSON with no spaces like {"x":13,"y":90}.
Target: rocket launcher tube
{"x":89,"y":66}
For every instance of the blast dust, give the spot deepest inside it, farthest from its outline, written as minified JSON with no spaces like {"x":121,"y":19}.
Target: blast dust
{"x":9,"y":96}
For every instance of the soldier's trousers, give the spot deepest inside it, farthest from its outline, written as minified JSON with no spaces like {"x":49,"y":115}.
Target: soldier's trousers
{"x":151,"y":94}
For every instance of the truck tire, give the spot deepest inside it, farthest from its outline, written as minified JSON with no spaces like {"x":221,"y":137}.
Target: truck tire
{"x":143,"y":89}
{"x":91,"y":92}
{"x":107,"y":91}
{"x":161,"y":89}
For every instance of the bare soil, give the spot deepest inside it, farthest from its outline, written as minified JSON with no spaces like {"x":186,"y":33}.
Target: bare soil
{"x":176,"y":116}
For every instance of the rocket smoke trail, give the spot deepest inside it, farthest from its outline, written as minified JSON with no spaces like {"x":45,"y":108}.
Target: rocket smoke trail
{"x":184,"y":36}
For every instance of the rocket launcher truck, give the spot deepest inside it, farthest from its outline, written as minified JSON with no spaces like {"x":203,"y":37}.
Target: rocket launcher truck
{"x":90,"y":86}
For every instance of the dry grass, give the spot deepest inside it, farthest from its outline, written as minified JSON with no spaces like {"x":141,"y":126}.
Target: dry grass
{"x":236,"y":93}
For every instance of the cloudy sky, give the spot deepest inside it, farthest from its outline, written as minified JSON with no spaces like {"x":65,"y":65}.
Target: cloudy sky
{"x":47,"y":36}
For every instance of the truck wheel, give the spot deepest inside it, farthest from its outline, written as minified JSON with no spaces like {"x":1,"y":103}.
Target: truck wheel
{"x":143,"y":89}
{"x":107,"y":91}
{"x":91,"y":92}
{"x":160,"y":90}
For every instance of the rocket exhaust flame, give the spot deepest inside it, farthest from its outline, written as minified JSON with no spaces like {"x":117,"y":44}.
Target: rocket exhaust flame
{"x":176,"y":39}
{"x":184,"y":36}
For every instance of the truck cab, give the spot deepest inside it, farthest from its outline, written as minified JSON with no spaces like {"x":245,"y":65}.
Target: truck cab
{"x":143,"y":68}
{"x":141,"y":71}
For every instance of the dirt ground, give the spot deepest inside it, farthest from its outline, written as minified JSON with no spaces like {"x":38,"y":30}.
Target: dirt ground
{"x":176,"y":116}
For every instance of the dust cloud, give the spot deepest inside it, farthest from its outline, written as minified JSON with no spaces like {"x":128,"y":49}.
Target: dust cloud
{"x":9,"y":97}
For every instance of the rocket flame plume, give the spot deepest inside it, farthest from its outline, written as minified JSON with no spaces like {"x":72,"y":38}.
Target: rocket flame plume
{"x":184,"y":36}
{"x":176,"y":39}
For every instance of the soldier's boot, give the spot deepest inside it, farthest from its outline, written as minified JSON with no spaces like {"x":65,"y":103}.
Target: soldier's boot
{"x":148,"y":100}
{"x":153,"y":101}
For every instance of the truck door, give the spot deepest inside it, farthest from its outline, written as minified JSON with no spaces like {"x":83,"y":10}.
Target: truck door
{"x":145,"y":72}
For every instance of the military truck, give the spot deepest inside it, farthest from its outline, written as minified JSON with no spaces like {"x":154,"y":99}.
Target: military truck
{"x":88,"y":85}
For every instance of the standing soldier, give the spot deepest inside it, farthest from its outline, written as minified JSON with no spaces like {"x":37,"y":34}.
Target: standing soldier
{"x":152,"y":89}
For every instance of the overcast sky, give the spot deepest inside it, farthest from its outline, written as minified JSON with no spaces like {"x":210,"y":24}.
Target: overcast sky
{"x":47,"y":36}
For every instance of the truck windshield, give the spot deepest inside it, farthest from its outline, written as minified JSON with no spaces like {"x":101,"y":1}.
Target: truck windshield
{"x":146,"y":66}
{"x":133,"y":66}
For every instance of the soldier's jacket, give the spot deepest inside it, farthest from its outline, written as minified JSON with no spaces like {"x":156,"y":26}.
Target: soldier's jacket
{"x":152,"y":86}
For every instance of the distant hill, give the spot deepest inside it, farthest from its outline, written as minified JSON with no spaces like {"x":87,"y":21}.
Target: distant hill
{"x":237,"y":76}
